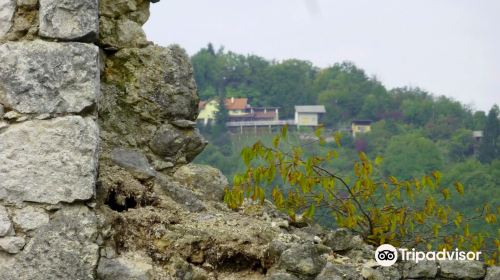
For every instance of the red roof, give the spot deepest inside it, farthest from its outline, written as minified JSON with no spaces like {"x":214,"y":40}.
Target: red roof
{"x":236,"y":103}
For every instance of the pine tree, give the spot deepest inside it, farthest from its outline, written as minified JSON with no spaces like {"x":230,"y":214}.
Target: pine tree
{"x":490,"y":148}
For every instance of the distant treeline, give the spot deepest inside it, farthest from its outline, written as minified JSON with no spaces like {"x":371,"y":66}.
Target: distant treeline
{"x":414,"y":131}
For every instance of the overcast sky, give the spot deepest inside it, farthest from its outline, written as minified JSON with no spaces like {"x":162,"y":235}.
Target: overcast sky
{"x":448,"y":47}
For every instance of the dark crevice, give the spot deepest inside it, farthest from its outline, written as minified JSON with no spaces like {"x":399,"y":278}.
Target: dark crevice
{"x":114,"y":204}
{"x":240,"y":262}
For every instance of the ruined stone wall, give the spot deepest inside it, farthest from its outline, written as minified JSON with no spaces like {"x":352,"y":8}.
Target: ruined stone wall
{"x":61,"y":60}
{"x":97,"y":132}
{"x":49,"y":139}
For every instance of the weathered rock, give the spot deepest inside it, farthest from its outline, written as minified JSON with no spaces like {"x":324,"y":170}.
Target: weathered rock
{"x":136,"y":10}
{"x":30,"y":218}
{"x":422,"y":269}
{"x":206,"y":181}
{"x":339,"y":272}
{"x":5,"y":223}
{"x":7,"y":10}
{"x":462,"y":269}
{"x":69,"y":19}
{"x":303,"y":259}
{"x":124,"y":268}
{"x":183,"y":123}
{"x":47,"y":77}
{"x":180,"y":194}
{"x":12,"y":115}
{"x":274,"y":251}
{"x":181,"y":269}
{"x":12,"y":244}
{"x":170,"y":141}
{"x":493,"y":273}
{"x":380,"y":273}
{"x":63,"y":249}
{"x":339,"y":239}
{"x":122,"y":33}
{"x":49,"y":161}
{"x":27,"y":3}
{"x":391,"y":272}
{"x":281,"y":275}
{"x":154,"y":84}
{"x":133,"y":161}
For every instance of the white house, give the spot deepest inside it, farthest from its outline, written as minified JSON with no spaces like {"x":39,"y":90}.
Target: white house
{"x":308,"y":115}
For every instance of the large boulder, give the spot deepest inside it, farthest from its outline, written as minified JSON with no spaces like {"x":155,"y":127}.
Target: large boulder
{"x":155,"y":83}
{"x":148,"y":103}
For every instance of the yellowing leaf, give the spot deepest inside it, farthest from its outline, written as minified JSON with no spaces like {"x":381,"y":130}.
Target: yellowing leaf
{"x":337,"y":136}
{"x":459,"y":187}
{"x":446,"y":193}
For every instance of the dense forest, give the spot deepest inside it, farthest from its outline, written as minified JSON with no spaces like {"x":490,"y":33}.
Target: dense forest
{"x":414,"y":131}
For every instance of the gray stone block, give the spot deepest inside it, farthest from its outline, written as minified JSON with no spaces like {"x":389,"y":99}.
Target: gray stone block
{"x":133,"y":161}
{"x":47,"y":77}
{"x":63,"y":249}
{"x":454,"y":269}
{"x":493,"y":273}
{"x":7,"y":10}
{"x":124,"y":268}
{"x":69,"y":20}
{"x":12,"y":244}
{"x":49,"y":161}
{"x":30,"y":218}
{"x":207,"y":182}
{"x":5,"y":223}
{"x":422,"y":269}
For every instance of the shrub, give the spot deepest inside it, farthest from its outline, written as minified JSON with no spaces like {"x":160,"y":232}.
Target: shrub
{"x":406,"y":213}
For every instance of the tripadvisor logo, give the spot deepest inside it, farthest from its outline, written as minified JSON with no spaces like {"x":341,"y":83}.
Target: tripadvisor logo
{"x":387,"y":255}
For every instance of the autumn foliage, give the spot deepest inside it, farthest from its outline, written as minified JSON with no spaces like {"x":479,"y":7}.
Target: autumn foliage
{"x":406,"y":213}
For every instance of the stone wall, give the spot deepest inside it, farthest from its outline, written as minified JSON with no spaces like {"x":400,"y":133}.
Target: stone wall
{"x":97,"y":132}
{"x":49,"y":139}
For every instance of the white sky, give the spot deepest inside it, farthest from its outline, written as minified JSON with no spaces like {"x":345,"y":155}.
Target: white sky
{"x":448,"y":47}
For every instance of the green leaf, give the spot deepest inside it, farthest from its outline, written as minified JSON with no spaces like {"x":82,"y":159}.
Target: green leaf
{"x":284,"y":131}
{"x":309,"y":212}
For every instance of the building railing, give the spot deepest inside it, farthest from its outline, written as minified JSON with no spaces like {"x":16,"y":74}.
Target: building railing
{"x":261,"y":123}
